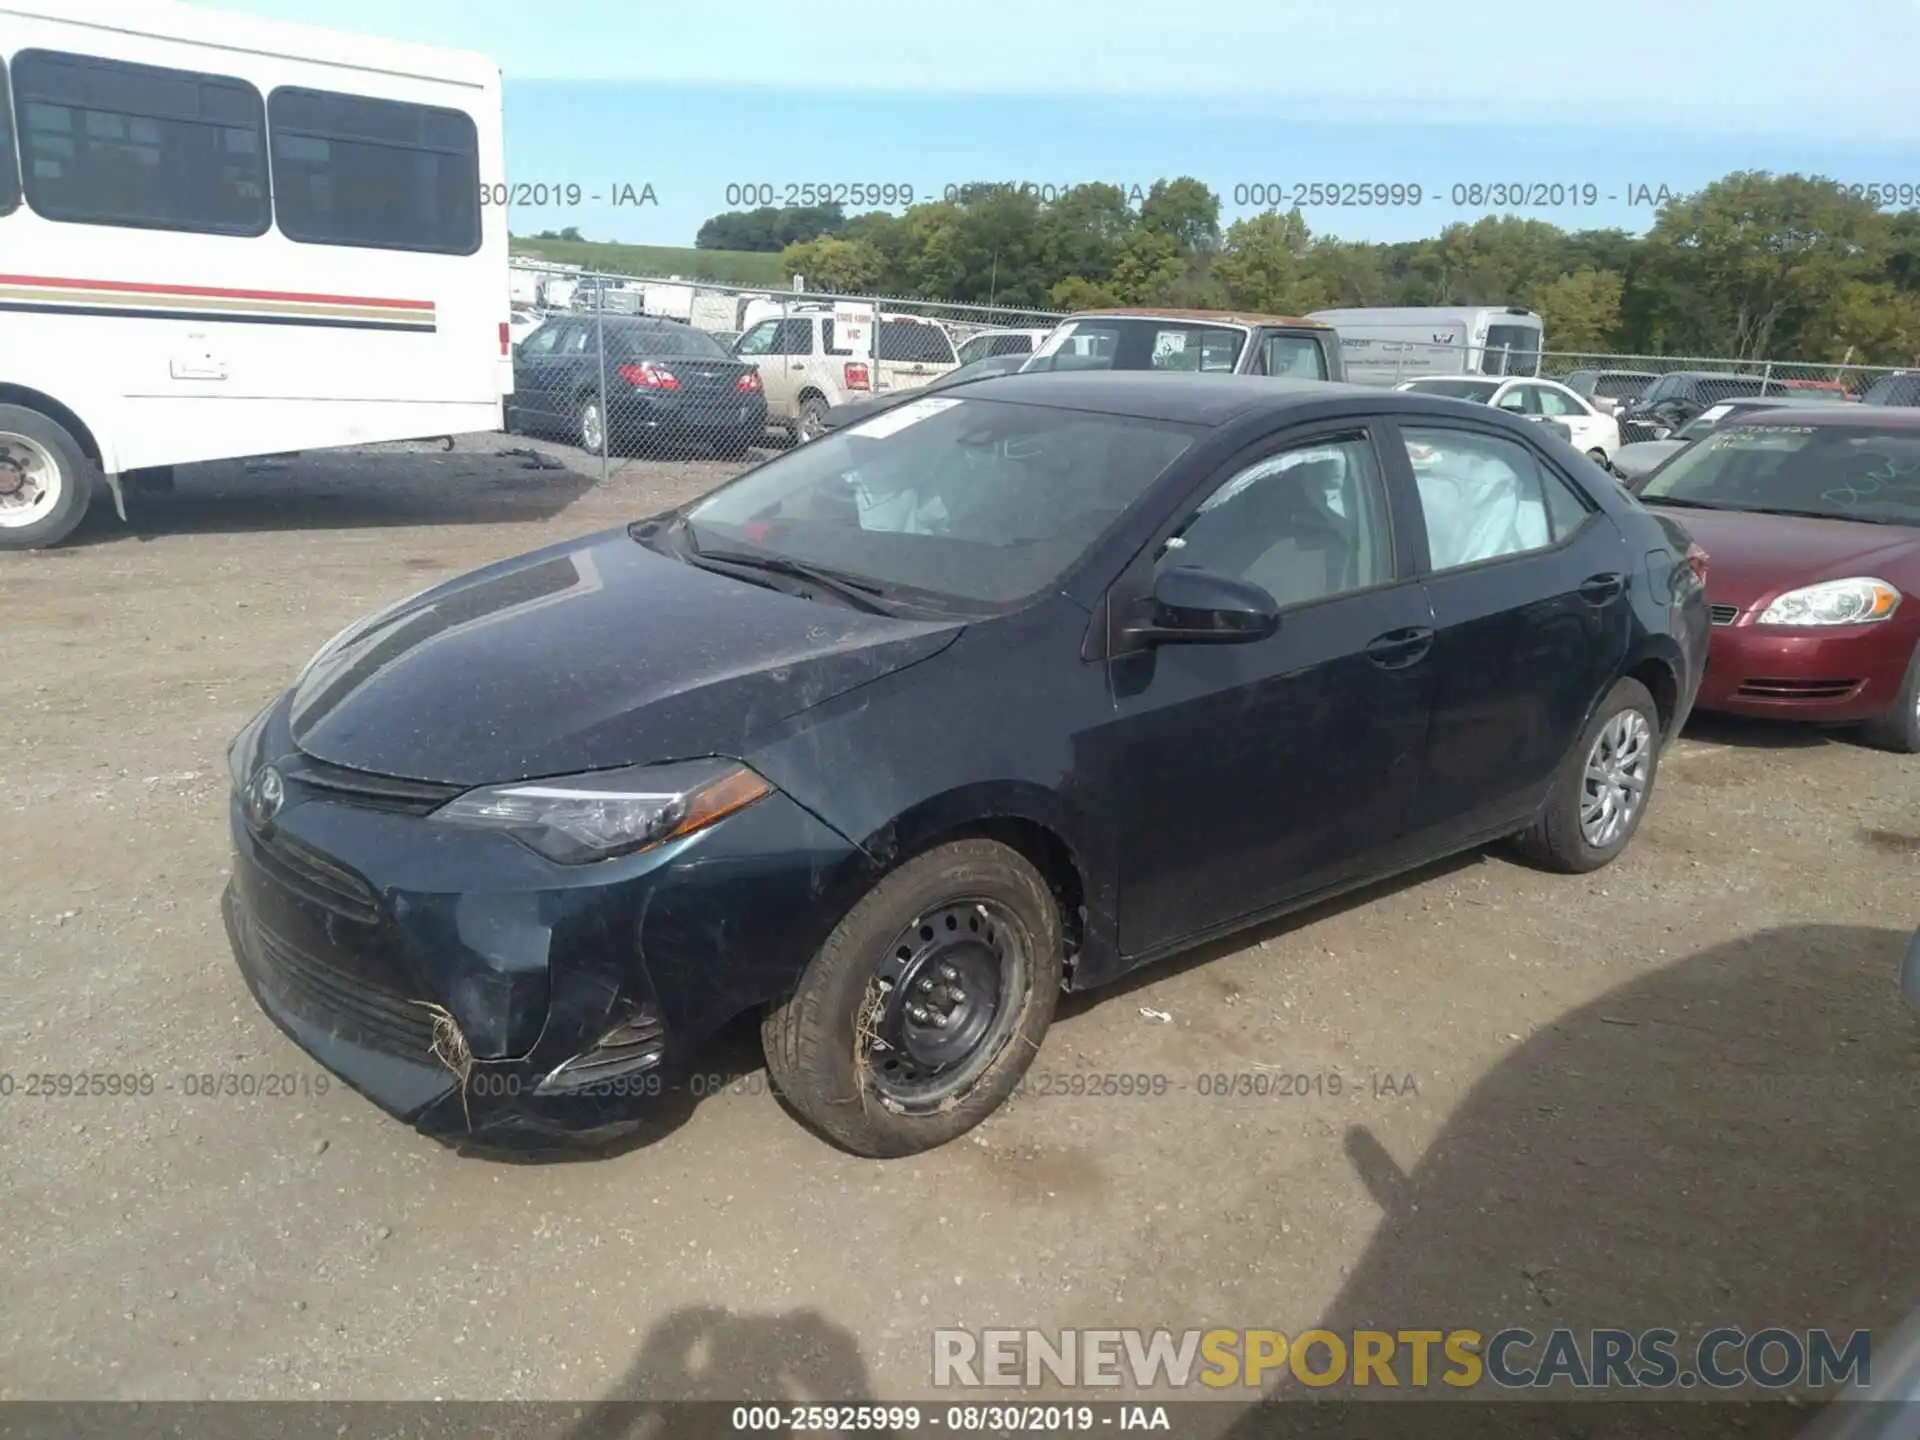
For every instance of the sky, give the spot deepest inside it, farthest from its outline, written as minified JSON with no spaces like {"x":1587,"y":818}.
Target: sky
{"x":1588,"y":110}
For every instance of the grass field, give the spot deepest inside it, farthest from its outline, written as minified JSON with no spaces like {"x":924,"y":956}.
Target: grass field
{"x":727,"y":267}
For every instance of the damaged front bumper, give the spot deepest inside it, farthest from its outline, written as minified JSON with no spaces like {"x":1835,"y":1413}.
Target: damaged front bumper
{"x":484,"y":994}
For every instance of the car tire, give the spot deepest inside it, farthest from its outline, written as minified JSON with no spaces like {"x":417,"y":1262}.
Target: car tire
{"x":842,"y":1050}
{"x":811,"y":422}
{"x":1599,"y":457}
{"x":38,"y":455}
{"x":589,"y":425}
{"x":1575,"y":832}
{"x":1899,"y":729}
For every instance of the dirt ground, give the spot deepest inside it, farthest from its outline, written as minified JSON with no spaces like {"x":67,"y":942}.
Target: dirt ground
{"x":1680,"y":1092}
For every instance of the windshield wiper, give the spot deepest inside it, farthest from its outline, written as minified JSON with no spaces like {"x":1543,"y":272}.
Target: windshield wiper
{"x":1676,"y":500}
{"x":858,"y":593}
{"x":1811,"y":514}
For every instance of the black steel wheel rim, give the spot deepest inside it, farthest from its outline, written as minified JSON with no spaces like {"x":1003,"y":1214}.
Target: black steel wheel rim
{"x":944,"y":1000}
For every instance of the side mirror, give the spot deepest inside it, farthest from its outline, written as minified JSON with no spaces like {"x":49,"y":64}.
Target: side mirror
{"x":1192,"y":606}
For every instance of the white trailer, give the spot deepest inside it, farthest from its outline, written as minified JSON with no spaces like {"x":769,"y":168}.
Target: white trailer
{"x":1386,"y":345}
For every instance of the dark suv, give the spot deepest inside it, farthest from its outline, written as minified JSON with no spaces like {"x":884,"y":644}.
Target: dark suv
{"x":1672,"y":400}
{"x":1226,"y":342}
{"x":1900,"y":388}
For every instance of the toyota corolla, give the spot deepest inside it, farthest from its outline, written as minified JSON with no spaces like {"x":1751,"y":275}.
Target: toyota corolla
{"x":901,"y":734}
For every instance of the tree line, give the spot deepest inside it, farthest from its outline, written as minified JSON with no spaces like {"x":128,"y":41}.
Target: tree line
{"x":1752,"y":266}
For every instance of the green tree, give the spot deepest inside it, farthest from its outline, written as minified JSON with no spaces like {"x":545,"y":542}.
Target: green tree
{"x":1581,"y":310}
{"x":1262,"y":266}
{"x":831,"y":263}
{"x":1185,"y":211}
{"x":1147,"y":268}
{"x":1075,"y":293}
{"x":1754,"y":263}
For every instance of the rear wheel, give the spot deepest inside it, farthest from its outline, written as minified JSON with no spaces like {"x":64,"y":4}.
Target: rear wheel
{"x":1899,"y":729}
{"x":1599,"y":457}
{"x":921,"y":1012}
{"x":590,"y":424}
{"x":811,"y":423}
{"x":46,"y":480}
{"x":1600,"y":795}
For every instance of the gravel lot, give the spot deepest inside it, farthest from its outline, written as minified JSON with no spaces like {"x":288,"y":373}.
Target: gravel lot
{"x":1679,"y":1092}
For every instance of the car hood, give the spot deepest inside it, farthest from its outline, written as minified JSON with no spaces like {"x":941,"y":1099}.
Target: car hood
{"x":1751,"y":557}
{"x":584,"y":655}
{"x":1641,"y":456}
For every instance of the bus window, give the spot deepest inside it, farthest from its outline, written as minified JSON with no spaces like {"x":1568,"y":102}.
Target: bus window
{"x":9,"y":160}
{"x":382,"y":174}
{"x":104,"y":142}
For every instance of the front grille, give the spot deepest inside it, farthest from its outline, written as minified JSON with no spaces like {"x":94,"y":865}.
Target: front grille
{"x":377,"y":792}
{"x":1724,"y":614}
{"x":1798,"y":689}
{"x":315,"y":878}
{"x":384,"y":1019}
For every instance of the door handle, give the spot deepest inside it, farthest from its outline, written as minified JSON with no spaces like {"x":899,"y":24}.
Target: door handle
{"x":1397,"y":649}
{"x":1603,"y":589}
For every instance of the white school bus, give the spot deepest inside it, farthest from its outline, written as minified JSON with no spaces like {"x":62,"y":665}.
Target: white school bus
{"x":223,"y":236}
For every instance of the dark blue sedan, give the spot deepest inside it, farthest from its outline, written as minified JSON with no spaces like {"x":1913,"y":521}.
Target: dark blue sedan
{"x":996,"y":694}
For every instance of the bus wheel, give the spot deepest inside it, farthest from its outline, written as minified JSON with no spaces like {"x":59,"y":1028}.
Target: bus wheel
{"x":46,"y":480}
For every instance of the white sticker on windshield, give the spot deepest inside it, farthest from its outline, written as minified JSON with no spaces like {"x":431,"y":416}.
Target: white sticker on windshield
{"x":1714,"y":412}
{"x":894,"y":421}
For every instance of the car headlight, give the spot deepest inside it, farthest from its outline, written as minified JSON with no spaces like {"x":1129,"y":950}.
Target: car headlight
{"x":241,"y":752}
{"x":574,"y":819}
{"x":1860,"y":600}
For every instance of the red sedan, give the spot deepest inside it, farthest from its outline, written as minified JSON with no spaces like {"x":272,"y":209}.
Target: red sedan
{"x":1811,"y":522}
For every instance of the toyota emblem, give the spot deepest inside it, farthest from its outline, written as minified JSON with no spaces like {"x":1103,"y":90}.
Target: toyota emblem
{"x":266,"y":793}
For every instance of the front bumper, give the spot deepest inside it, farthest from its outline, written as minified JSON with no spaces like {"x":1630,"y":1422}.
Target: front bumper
{"x":1840,"y":675}
{"x":445,"y":973}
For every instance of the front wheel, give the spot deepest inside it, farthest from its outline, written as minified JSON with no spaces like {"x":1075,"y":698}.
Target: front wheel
{"x":46,"y":480}
{"x":1599,"y":457}
{"x":919,"y":1015}
{"x":1899,"y":729}
{"x":1600,"y":795}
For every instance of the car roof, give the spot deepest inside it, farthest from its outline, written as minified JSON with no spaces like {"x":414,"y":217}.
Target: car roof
{"x":1183,"y":398}
{"x":1849,"y":417}
{"x":1225,"y":317}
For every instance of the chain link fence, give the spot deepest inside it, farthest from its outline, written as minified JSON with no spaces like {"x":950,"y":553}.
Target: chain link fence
{"x":679,"y":370}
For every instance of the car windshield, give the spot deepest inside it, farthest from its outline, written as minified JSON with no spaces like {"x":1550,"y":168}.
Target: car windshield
{"x":681,"y":341}
{"x":1140,"y":343}
{"x":973,"y":505}
{"x":1481,"y":390}
{"x":1841,"y":473}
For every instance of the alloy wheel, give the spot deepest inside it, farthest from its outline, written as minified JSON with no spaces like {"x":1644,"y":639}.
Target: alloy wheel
{"x":1615,"y":779}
